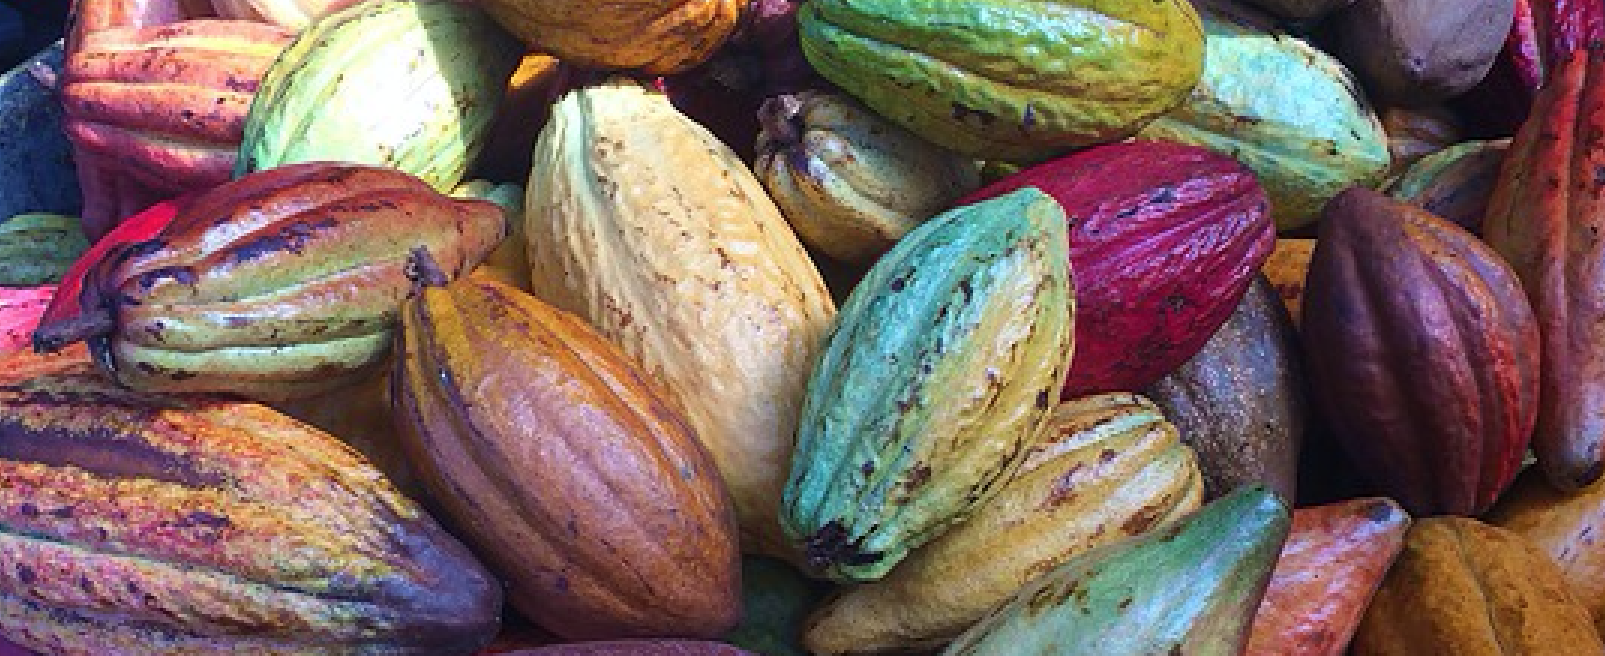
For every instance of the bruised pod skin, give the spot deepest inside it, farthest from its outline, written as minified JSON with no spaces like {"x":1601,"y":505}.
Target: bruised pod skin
{"x":135,"y":523}
{"x":411,"y":85}
{"x":570,"y":471}
{"x":641,"y":221}
{"x":1422,"y":352}
{"x":283,"y":284}
{"x":1188,"y":588}
{"x":1164,"y":239}
{"x":1008,"y":79}
{"x":940,"y":372}
{"x":1105,"y":467}
{"x":1544,"y":218}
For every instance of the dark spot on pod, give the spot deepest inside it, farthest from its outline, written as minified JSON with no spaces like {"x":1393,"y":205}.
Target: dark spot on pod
{"x":985,"y":118}
{"x":64,"y":512}
{"x":1379,"y":511}
{"x":203,"y":518}
{"x":897,"y":284}
{"x":867,"y":468}
{"x":26,"y":575}
{"x":182,"y":275}
{"x":85,"y":585}
{"x":28,"y":510}
{"x":1164,"y":195}
{"x":149,"y":247}
{"x":918,"y":475}
{"x":1044,"y":398}
{"x":1106,"y":455}
{"x":561,"y":583}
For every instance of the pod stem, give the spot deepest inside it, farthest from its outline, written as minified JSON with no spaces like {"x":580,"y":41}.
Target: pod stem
{"x":56,"y":335}
{"x":423,"y":270}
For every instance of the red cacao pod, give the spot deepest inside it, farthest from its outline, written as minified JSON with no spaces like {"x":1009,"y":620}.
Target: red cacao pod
{"x":138,"y":227}
{"x":1566,"y":25}
{"x":1422,"y":353}
{"x":20,"y":310}
{"x":1164,"y":238}
{"x":1545,"y":217}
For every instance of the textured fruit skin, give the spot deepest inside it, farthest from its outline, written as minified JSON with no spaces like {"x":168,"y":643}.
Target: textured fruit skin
{"x":138,"y":227}
{"x":1240,"y":402}
{"x":698,"y":277}
{"x":571,"y":471}
{"x":1287,"y":268}
{"x":655,"y":37}
{"x":1164,"y":239}
{"x":1008,"y":79}
{"x":38,"y":248}
{"x":1188,"y":588}
{"x":1412,"y":53}
{"x":136,"y":523}
{"x":406,"y":84}
{"x":1464,"y":587}
{"x":940,"y":371}
{"x":1541,"y":218}
{"x":850,"y":182}
{"x":1288,"y":111}
{"x":1564,"y":526}
{"x":1105,"y":467}
{"x":1414,"y":133}
{"x":636,"y":648}
{"x":1334,"y":559}
{"x":1422,"y":353}
{"x":20,"y":310}
{"x":163,"y":106}
{"x":294,"y":293}
{"x":291,"y":14}
{"x":1455,"y":183}
{"x":36,"y":166}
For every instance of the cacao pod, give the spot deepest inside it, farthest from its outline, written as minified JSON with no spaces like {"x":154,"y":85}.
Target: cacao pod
{"x":1566,"y":526}
{"x":1164,"y":239}
{"x":1542,"y":217}
{"x":1455,"y":183}
{"x":1416,"y":133}
{"x":407,"y":84}
{"x":1422,"y":352}
{"x":655,"y":37}
{"x":940,"y":371}
{"x":283,"y":284}
{"x":571,"y":471}
{"x":1463,"y":587}
{"x":290,"y":14}
{"x":1008,"y":79}
{"x":850,"y":182}
{"x":698,"y":277}
{"x":1188,"y":588}
{"x":1286,"y":268}
{"x":20,"y":310}
{"x":138,"y":227}
{"x":38,"y":248}
{"x":141,"y":523}
{"x":1240,"y":401}
{"x":1413,"y":53}
{"x":1334,"y":559}
{"x":1104,"y":468}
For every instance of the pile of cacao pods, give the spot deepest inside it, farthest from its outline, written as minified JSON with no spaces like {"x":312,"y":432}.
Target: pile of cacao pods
{"x":794,"y":327}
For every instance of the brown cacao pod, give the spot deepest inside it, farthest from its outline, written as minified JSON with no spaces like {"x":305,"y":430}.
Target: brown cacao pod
{"x":164,"y":106}
{"x":1414,"y":53}
{"x":137,"y":523}
{"x":1543,"y":218}
{"x":1164,"y":239}
{"x":1565,"y":526}
{"x":656,"y":37}
{"x":564,"y":464}
{"x":1240,"y":401}
{"x":283,"y":284}
{"x":1416,"y":133}
{"x":1467,"y":588}
{"x":1455,"y":183}
{"x":1422,"y":352}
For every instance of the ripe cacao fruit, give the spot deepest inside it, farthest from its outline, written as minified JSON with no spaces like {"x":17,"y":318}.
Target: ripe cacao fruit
{"x":1542,"y":218}
{"x":570,"y":470}
{"x":285,"y":283}
{"x":289,"y":14}
{"x":1008,"y":79}
{"x":1422,"y":353}
{"x":407,"y":84}
{"x":1286,"y":268}
{"x":698,"y":277}
{"x":656,"y":37}
{"x":1566,"y":526}
{"x":141,"y":523}
{"x":1413,"y":53}
{"x":940,"y":372}
{"x":38,"y":248}
{"x":1105,"y":467}
{"x":1455,"y":183}
{"x":1164,"y":239}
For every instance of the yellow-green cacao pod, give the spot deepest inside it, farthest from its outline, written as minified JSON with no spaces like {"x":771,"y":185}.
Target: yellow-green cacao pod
{"x":1288,"y":111}
{"x":1107,"y":467}
{"x":411,"y":85}
{"x":849,"y":181}
{"x":37,"y":248}
{"x":1009,"y":79}
{"x":943,"y":366}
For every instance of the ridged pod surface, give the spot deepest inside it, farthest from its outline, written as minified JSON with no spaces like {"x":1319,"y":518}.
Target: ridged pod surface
{"x":1455,"y":183}
{"x":566,"y":467}
{"x":641,"y":221}
{"x":941,"y":370}
{"x":1565,"y":526}
{"x":291,"y":14}
{"x":1105,"y":467}
{"x":1009,"y":79}
{"x":652,"y":36}
{"x":1544,"y":216}
{"x":1285,"y":109}
{"x":135,"y":523}
{"x":1188,"y":588}
{"x":407,"y":84}
{"x":37,"y":248}
{"x":285,"y":283}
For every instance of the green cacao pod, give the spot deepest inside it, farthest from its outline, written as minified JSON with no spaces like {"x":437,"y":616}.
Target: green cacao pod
{"x":286,"y":283}
{"x":944,"y":364}
{"x":1189,"y":588}
{"x":1288,"y":111}
{"x":37,"y":248}
{"x":1455,"y":183}
{"x":141,"y":524}
{"x":398,"y":83}
{"x":1009,"y":79}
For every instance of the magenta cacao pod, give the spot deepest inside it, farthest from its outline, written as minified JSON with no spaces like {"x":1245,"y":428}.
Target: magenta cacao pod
{"x":1422,"y":352}
{"x":1164,"y":238}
